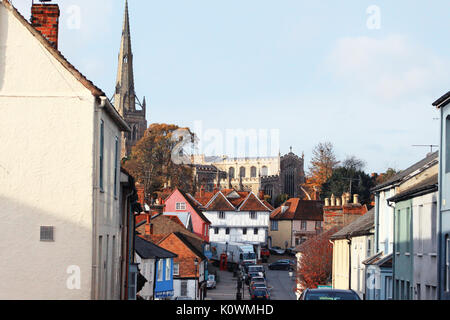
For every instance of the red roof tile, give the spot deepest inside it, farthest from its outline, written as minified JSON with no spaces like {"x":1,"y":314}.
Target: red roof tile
{"x":299,"y":210}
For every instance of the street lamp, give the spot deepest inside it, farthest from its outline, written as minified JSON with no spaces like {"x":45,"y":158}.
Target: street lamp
{"x":196,"y":264}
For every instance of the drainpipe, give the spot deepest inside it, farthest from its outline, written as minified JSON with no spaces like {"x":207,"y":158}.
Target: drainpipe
{"x":377,"y":221}
{"x":394,"y":296}
{"x":349,"y":241}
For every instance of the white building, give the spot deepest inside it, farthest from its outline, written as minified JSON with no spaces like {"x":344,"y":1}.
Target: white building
{"x":238,"y":217}
{"x":59,"y":174}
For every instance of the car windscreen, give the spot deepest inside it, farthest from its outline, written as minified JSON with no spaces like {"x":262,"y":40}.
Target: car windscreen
{"x":256,"y":268}
{"x":259,"y":292}
{"x":249,"y":255}
{"x":332,"y":295}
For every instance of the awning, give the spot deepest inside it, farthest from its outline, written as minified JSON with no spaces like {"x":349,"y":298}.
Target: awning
{"x":164,"y":294}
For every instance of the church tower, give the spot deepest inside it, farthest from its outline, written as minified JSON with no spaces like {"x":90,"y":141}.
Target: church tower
{"x":125,"y":99}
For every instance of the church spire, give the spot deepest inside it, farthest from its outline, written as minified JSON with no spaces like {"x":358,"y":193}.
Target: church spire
{"x":125,"y":98}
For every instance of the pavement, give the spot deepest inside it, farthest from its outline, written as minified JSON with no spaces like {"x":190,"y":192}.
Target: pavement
{"x":280,"y":285}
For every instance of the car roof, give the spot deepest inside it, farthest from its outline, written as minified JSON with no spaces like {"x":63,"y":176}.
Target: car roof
{"x":326,"y":290}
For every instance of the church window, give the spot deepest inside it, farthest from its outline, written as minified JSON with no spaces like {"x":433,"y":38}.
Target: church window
{"x":253,"y":172}
{"x":231,"y":173}
{"x":242,"y":172}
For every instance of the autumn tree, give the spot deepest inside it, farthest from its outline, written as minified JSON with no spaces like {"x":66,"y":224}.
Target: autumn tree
{"x":154,"y":161}
{"x":314,"y":267}
{"x":323,"y":163}
{"x":383,"y":177}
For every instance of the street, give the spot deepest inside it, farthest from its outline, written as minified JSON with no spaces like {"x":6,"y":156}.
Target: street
{"x":280,"y":285}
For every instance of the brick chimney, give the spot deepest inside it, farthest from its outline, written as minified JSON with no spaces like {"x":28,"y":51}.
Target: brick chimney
{"x":148,"y":226}
{"x":261,"y":194}
{"x":45,"y":19}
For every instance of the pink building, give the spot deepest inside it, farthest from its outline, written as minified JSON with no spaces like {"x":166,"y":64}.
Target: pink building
{"x":179,"y":202}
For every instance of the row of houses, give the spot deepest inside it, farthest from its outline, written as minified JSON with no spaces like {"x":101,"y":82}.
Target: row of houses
{"x":399,"y":250}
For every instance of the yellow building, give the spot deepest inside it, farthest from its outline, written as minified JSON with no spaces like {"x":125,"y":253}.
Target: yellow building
{"x":295,"y":222}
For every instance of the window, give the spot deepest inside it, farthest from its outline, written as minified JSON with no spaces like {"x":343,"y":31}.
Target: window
{"x":222,"y":215}
{"x":244,"y":231}
{"x":216,"y":230}
{"x":274,"y":225}
{"x":242,"y":172}
{"x":318,"y":225}
{"x":227,"y":231}
{"x":255,"y":231}
{"x":231,"y":173}
{"x":388,"y":283}
{"x":180,"y":206}
{"x":369,"y":247}
{"x":433,"y":227}
{"x":47,"y":234}
{"x":160,"y":270}
{"x":304,"y":225}
{"x":253,"y":215}
{"x":253,"y":172}
{"x":264,"y":171}
{"x":176,"y":269}
{"x":183,"y":289}
{"x":102,"y":145}
{"x":116,"y":162}
{"x":420,"y":231}
{"x":168,"y":268}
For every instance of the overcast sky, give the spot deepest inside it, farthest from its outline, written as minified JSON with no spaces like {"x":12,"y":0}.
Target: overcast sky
{"x":316,"y":70}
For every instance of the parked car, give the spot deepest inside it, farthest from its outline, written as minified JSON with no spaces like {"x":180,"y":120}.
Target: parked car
{"x":211,"y":282}
{"x":329,"y":294}
{"x":250,"y":275}
{"x":282,"y":265}
{"x":291,"y":251}
{"x":246,"y":264}
{"x":277,"y":251}
{"x":257,"y":279}
{"x":260,"y":294}
{"x":256,"y":285}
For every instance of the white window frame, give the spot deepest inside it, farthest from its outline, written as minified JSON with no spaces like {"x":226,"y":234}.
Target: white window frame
{"x":176,"y":269}
{"x":180,"y":206}
{"x":253,"y":215}
{"x":160,"y":270}
{"x":168,"y":268}
{"x":274,"y":225}
{"x":222,"y":215}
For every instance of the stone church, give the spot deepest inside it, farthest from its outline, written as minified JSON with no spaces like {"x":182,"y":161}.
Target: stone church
{"x":125,"y":99}
{"x":273,"y":175}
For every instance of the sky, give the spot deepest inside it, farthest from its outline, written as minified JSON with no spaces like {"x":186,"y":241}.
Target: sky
{"x":360,"y":74}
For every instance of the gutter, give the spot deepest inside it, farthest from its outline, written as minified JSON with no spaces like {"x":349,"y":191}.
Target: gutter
{"x":106,"y":104}
{"x":349,"y":241}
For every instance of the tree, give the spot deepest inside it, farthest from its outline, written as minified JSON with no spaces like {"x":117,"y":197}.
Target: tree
{"x":314,"y":267}
{"x":349,"y":180}
{"x":383,"y":177}
{"x":353,"y":163}
{"x":152,"y":159}
{"x":323,"y":163}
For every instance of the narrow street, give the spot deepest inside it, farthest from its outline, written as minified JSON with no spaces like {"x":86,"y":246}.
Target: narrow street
{"x":280,"y":285}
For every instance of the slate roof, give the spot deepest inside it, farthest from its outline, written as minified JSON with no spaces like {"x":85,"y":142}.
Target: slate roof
{"x":360,"y":227}
{"x":379,"y":260}
{"x":298,"y":209}
{"x":148,"y":250}
{"x":438,"y":102}
{"x":428,"y":185}
{"x":399,"y":177}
